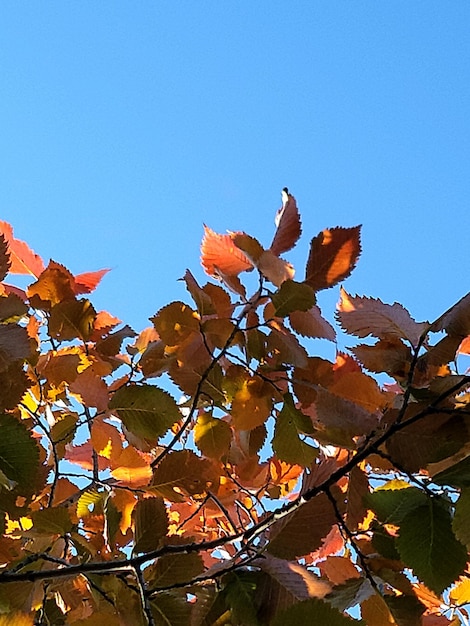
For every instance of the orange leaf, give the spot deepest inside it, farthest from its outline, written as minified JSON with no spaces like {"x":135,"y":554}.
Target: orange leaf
{"x":219,"y":255}
{"x":252,"y":404}
{"x":131,"y":468}
{"x":288,"y":224}
{"x":23,"y":260}
{"x":311,"y":324}
{"x":88,"y":281}
{"x":333,"y":255}
{"x":55,"y":284}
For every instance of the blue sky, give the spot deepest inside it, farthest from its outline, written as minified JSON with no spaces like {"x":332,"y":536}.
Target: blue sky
{"x":127,"y":125}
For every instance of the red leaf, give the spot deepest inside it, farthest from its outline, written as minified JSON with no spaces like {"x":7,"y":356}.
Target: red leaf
{"x":333,"y":255}
{"x":219,"y":255}
{"x":288,"y":224}
{"x":23,"y":260}
{"x":88,"y":281}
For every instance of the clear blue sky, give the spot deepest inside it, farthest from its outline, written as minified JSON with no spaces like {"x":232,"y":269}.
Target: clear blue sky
{"x":127,"y":125}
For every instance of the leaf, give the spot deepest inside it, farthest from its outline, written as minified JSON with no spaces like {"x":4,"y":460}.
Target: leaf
{"x":252,"y":404}
{"x":456,"y":320}
{"x":22,"y":259}
{"x":170,"y":609}
{"x":151,"y":524}
{"x":311,"y":324}
{"x":460,"y":524}
{"x":460,"y":594}
{"x":287,"y":444}
{"x":240,"y":591}
{"x":387,"y":355}
{"x":288,"y":224}
{"x":145,"y":410}
{"x":295,"y":579}
{"x":332,"y":257}
{"x":273,"y":268}
{"x":88,"y":281}
{"x":375,"y":612}
{"x":175,"y":323}
{"x":5,"y":262}
{"x":55,"y":284}
{"x":19,"y":454}
{"x":302,"y":532}
{"x":341,"y":418}
{"x":202,"y":299}
{"x":315,"y":611}
{"x":13,"y":385}
{"x":12,"y":308}
{"x":212,"y":436}
{"x":358,"y":489}
{"x":292,"y":296}
{"x":174,"y":569}
{"x":131,"y":468}
{"x":181,"y":474}
{"x":220,"y":255}
{"x":16,"y":619}
{"x":362,"y":316}
{"x":52,"y":521}
{"x":72,"y":319}
{"x":14,"y":345}
{"x":392,"y":503}
{"x":427,"y":544}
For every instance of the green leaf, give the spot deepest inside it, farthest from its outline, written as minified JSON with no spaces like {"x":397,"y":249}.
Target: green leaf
{"x":457,"y":475}
{"x":173,"y":569}
{"x":19,"y":454}
{"x":392,"y":505}
{"x":287,"y":444}
{"x":145,"y":410}
{"x":460,"y":523}
{"x":427,"y":544}
{"x":53,"y":521}
{"x":240,"y":593}
{"x":314,"y":611}
{"x":292,"y":296}
{"x":212,"y":436}
{"x":151,"y":524}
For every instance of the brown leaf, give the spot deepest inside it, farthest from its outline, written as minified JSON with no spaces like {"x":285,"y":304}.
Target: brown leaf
{"x":273,"y":268}
{"x":362,"y":316}
{"x":151,"y":524}
{"x":455,"y":321}
{"x":181,"y":474}
{"x":175,"y":323}
{"x":311,"y":323}
{"x":72,"y":319}
{"x":387,"y":355}
{"x":220,"y":255}
{"x":14,"y":345}
{"x":202,"y":300}
{"x":302,"y":532}
{"x":55,"y":284}
{"x":289,"y":227}
{"x":333,"y":255}
{"x":252,"y":404}
{"x":22,"y":259}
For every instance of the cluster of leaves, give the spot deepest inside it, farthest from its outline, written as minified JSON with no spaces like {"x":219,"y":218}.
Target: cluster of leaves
{"x":277,"y":486}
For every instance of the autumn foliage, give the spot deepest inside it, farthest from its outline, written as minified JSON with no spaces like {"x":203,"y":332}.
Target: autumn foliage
{"x":213,"y":469}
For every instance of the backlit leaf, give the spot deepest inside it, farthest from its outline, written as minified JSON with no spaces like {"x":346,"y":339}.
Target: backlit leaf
{"x":88,"y":281}
{"x":173,"y":569}
{"x":387,"y":355}
{"x":14,"y":345}
{"x":22,"y":259}
{"x":52,"y":521}
{"x":55,"y":284}
{"x":145,"y":410}
{"x":363,"y":316}
{"x":202,"y":300}
{"x":460,"y":594}
{"x":5,"y":262}
{"x":19,"y":454}
{"x":391,"y":505}
{"x":460,"y":524}
{"x":151,"y":524}
{"x":427,"y":544}
{"x":333,"y":255}
{"x":315,"y":611}
{"x":311,"y":324}
{"x":302,"y":532}
{"x":220,"y":255}
{"x":273,"y":268}
{"x":455,"y":321}
{"x":212,"y":436}
{"x":182,"y":473}
{"x":292,"y":296}
{"x":252,"y":404}
{"x":287,"y":443}
{"x":288,"y":224}
{"x":72,"y":319}
{"x":131,"y":468}
{"x":175,"y":323}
